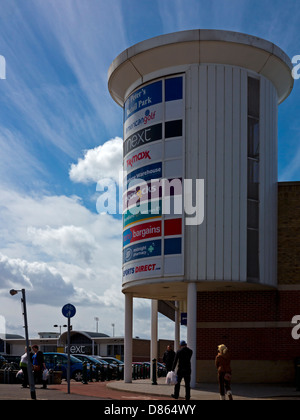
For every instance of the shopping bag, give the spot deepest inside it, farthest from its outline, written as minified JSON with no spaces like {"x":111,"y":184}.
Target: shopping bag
{"x":20,"y":375}
{"x":171,"y":378}
{"x":45,"y":375}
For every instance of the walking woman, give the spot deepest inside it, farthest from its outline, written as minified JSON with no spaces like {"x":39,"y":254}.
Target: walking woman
{"x":24,"y":367}
{"x":224,"y":372}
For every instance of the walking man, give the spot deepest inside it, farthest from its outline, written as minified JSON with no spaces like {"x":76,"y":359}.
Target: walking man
{"x":183,"y":358}
{"x":168,"y":358}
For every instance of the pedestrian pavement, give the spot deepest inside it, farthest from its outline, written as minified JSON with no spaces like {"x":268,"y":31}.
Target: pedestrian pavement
{"x":210,"y":391}
{"x":144,"y":390}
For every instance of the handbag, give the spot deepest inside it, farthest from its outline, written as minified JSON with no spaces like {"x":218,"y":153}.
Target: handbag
{"x":227,"y":377}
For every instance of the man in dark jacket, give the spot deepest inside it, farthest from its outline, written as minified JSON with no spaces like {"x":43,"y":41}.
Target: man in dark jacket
{"x":183,"y":358}
{"x":168,"y":358}
{"x":38,"y":363}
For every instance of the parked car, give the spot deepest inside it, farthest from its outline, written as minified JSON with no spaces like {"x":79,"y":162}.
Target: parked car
{"x":161,"y":369}
{"x":116,"y":364}
{"x":141,"y":368}
{"x":59,"y":362}
{"x":112,"y":367}
{"x":3,"y":361}
{"x":12,"y":361}
{"x":112,"y":360}
{"x":91,"y":360}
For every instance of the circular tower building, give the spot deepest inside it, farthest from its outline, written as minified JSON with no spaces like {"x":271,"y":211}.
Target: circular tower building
{"x":200,"y":170}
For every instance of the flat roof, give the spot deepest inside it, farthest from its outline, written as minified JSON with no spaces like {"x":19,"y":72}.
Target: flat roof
{"x":139,"y":63}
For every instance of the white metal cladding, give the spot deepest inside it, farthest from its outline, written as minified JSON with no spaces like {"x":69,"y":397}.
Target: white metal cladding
{"x":216,"y":151}
{"x":216,"y":65}
{"x":268,"y":182}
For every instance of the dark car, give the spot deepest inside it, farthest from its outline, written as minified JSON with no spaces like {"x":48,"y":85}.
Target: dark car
{"x":112,"y":360}
{"x":94,"y":361}
{"x":161,"y":368}
{"x":141,"y":369}
{"x":3,"y":361}
{"x":12,"y":361}
{"x":91,"y":360}
{"x":112,"y":367}
{"x":59,"y":362}
{"x":117,"y":364}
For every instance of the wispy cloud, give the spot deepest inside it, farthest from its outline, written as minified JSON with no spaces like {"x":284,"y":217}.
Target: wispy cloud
{"x":56,"y":91}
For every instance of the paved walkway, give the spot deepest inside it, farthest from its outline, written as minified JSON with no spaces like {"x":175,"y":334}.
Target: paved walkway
{"x":144,"y":390}
{"x":210,"y":391}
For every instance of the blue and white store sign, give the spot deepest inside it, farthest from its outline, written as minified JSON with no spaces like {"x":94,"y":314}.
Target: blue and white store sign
{"x":143,"y":98}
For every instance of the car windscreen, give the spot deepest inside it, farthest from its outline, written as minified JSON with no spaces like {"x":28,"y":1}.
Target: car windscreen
{"x":75,"y":360}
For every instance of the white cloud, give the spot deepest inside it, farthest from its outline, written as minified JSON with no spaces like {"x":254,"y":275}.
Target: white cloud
{"x":66,"y":241}
{"x":101,"y":162}
{"x":39,"y":278}
{"x":60,"y":252}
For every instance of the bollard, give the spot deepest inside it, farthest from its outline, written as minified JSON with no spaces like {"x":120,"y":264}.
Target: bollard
{"x":11,"y":375}
{"x":97,"y":373}
{"x":5,"y":381}
{"x":139,"y":372}
{"x":91,"y":373}
{"x":102,"y":374}
{"x":51,"y":377}
{"x":154,"y":377}
{"x":134,"y":372}
{"x":121,"y":370}
{"x":84,"y":373}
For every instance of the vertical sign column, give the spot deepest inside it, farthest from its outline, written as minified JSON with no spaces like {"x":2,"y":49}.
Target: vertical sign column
{"x":153,"y":151}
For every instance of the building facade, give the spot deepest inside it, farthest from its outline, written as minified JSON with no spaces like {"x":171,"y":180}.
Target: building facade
{"x":83,"y":342}
{"x":202,"y":106}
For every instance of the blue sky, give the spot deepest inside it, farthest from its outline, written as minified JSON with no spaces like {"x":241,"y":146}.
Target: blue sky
{"x":56,"y":113}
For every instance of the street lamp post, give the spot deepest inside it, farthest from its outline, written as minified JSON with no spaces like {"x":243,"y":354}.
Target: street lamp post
{"x":60,"y":326}
{"x":29,"y":364}
{"x":113,"y":325}
{"x":97,"y":323}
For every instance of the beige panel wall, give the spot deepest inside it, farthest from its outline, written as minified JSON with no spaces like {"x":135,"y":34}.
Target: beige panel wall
{"x":249,"y":371}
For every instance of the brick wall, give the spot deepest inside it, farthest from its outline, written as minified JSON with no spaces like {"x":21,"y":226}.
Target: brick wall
{"x":141,"y":349}
{"x":248,"y":343}
{"x":248,"y":306}
{"x":289,"y":233}
{"x":255,"y":325}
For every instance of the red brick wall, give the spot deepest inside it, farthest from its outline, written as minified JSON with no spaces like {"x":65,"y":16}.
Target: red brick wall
{"x":254,"y":343}
{"x":250,"y":306}
{"x":289,"y":233}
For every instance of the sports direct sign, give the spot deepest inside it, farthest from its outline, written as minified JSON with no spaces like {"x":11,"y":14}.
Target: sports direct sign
{"x":153,"y":158}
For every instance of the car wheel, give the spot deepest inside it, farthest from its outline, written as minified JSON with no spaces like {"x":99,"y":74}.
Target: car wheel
{"x":77,"y":376}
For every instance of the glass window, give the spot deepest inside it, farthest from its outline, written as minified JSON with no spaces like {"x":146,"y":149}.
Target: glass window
{"x":252,"y":256}
{"x":253,"y":138}
{"x":253,"y":179}
{"x":253,"y":214}
{"x":253,"y":97}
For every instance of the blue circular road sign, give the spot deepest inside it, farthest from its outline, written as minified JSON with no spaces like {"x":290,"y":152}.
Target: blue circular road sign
{"x":69,"y":310}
